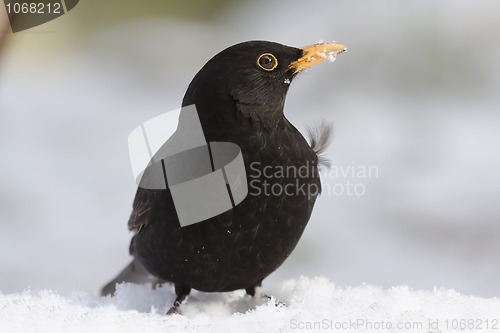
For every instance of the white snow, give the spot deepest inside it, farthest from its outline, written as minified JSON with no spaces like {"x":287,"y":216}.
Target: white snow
{"x":310,"y":304}
{"x":329,"y":55}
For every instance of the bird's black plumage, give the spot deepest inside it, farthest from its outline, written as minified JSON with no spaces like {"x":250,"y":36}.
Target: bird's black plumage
{"x":238,"y":101}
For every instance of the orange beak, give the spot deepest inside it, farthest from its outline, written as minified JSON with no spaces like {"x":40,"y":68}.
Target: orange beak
{"x":316,"y":53}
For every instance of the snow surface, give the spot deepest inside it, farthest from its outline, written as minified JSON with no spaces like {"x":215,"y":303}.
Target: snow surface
{"x":305,"y":304}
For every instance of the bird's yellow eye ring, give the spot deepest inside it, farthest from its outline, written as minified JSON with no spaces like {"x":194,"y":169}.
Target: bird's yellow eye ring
{"x":267,"y":62}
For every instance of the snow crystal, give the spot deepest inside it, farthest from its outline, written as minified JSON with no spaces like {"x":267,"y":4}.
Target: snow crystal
{"x":329,"y":55}
{"x":304,"y":304}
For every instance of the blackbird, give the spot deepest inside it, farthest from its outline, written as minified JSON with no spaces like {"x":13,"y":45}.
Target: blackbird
{"x":239,"y":96}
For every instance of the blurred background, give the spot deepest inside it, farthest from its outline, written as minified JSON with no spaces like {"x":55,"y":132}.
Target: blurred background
{"x":417,"y":97}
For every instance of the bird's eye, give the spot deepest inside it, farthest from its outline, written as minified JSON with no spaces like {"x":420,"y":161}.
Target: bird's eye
{"x":267,"y":62}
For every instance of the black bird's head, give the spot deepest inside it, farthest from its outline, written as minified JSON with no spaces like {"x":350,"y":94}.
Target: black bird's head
{"x":252,"y":79}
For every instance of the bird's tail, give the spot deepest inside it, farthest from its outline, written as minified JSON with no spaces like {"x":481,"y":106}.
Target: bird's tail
{"x":135,"y":272}
{"x":320,"y":137}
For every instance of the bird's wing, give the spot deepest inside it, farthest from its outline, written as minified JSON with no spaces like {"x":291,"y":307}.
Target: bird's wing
{"x":142,"y":209}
